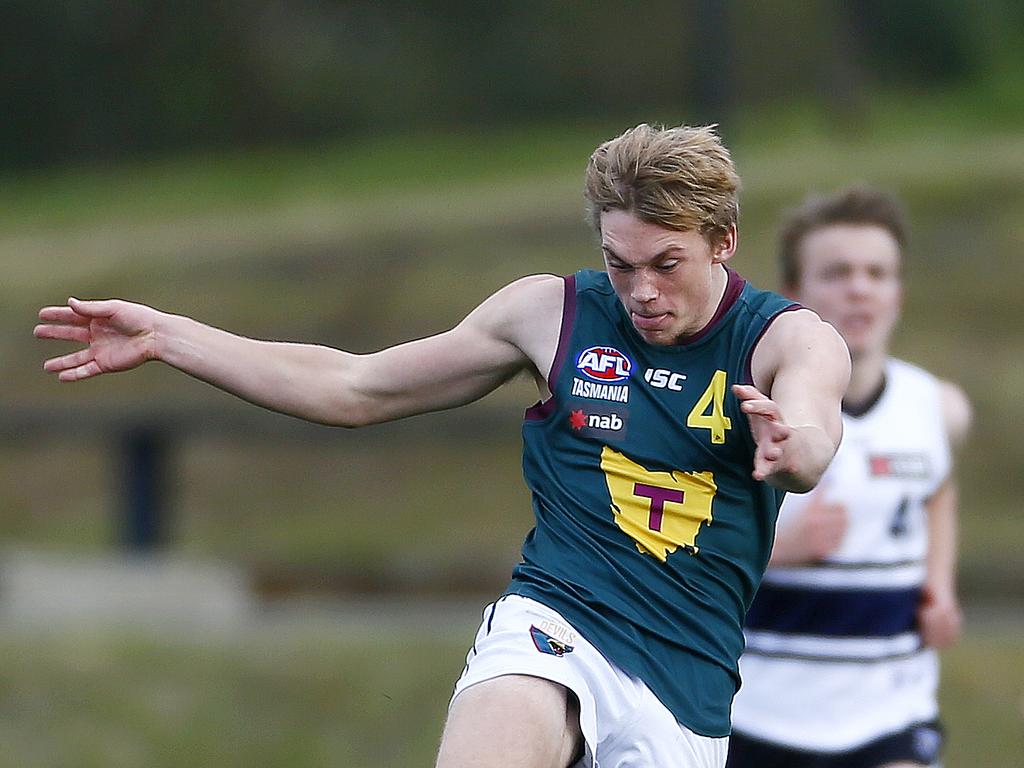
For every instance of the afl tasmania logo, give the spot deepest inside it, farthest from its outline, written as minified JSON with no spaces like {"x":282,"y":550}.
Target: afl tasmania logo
{"x":604,"y":364}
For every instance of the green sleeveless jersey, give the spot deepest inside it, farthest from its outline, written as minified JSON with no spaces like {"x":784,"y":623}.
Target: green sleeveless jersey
{"x":651,"y":534}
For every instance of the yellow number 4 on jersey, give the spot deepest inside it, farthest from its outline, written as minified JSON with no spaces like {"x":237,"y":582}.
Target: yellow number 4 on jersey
{"x":716,"y":421}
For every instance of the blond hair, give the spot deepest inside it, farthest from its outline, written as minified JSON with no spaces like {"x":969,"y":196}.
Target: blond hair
{"x":679,"y":178}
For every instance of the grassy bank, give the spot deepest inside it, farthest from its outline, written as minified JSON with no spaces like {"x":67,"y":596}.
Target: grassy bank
{"x":326,"y":696}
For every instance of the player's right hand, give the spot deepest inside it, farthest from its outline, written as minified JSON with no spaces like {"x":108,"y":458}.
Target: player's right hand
{"x":815,"y":533}
{"x":821,"y":526}
{"x":118,"y":336}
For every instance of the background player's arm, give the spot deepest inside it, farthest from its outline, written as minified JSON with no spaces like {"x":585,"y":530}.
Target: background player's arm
{"x":508,"y":332}
{"x":939,"y":616}
{"x":804,"y":366}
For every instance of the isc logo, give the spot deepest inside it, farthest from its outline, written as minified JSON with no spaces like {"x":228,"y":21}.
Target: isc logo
{"x":659,"y":378}
{"x":604,"y":364}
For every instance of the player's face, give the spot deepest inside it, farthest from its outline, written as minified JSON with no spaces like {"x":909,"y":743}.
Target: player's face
{"x":850,"y":276}
{"x":663,"y":277}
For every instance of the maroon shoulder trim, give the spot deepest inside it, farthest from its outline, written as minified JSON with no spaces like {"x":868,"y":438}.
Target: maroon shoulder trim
{"x":733,"y":289}
{"x":545,"y":409}
{"x":565,"y":333}
{"x":748,"y":376}
{"x":540,"y":411}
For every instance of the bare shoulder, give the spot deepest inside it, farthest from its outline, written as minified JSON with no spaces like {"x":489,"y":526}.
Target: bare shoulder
{"x":801,"y":326}
{"x":801,"y":338}
{"x":956,"y":412}
{"x":527,"y":314}
{"x":535,"y":291}
{"x":526,"y":305}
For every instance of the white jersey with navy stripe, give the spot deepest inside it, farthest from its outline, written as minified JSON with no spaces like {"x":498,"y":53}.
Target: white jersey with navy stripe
{"x":833,"y":657}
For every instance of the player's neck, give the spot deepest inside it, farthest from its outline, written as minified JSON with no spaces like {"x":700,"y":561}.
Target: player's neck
{"x":867,"y":375}
{"x":719,"y":283}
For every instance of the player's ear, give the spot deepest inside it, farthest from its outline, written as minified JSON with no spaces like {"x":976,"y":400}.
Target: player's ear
{"x":724,"y":245}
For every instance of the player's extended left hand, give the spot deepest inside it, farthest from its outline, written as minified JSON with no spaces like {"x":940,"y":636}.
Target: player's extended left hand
{"x":769,"y":430}
{"x":118,"y":336}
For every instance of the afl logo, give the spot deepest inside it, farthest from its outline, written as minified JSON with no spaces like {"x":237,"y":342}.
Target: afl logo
{"x":604,"y":364}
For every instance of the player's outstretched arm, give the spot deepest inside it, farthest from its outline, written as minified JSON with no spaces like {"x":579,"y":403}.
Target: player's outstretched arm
{"x":507,"y":333}
{"x":804,"y":367}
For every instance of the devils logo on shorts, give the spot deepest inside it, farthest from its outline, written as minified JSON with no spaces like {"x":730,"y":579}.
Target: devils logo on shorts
{"x":547,"y":644}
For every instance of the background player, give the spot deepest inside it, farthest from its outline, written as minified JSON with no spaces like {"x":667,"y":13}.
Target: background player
{"x":674,"y":395}
{"x":839,"y":669}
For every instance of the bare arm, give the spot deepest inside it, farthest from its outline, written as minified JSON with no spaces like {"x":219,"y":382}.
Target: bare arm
{"x":804,"y":366}
{"x":939,"y":616}
{"x":514,"y":329}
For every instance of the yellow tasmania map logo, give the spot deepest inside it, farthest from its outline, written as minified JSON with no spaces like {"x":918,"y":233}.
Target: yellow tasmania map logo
{"x":660,"y":511}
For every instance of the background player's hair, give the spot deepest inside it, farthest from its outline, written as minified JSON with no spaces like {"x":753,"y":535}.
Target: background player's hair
{"x":853,"y":205}
{"x":680,"y":178}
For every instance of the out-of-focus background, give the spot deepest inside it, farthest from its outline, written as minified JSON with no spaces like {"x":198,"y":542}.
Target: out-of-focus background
{"x":187,"y":580}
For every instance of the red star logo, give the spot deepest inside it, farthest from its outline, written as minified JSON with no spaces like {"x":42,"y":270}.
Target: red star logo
{"x":578,"y":419}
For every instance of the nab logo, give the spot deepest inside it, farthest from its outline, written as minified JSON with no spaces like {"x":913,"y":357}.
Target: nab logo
{"x":604,"y":364}
{"x":610,"y":422}
{"x":659,"y":378}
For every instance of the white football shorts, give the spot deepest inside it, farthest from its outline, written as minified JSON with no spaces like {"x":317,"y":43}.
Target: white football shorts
{"x":623,"y":723}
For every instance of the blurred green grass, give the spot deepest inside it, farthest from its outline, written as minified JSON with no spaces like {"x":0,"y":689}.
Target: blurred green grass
{"x":982,"y":695}
{"x":103,"y":699}
{"x":190,"y":187}
{"x":326,"y":696}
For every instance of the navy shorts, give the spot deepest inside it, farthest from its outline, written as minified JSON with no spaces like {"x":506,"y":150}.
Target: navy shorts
{"x":920,"y":743}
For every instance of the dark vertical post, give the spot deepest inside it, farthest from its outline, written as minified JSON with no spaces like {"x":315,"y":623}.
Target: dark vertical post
{"x":711,"y":62}
{"x":843,"y":65}
{"x":142,"y":472}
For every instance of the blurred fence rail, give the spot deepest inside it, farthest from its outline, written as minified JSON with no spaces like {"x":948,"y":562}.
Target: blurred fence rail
{"x":145,"y":440}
